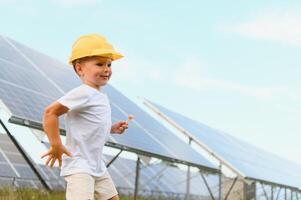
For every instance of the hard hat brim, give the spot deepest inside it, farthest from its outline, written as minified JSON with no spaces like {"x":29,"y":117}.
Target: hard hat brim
{"x":114,"y":55}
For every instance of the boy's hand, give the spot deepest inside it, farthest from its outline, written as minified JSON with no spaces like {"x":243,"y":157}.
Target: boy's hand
{"x":119,"y":127}
{"x":55,"y":153}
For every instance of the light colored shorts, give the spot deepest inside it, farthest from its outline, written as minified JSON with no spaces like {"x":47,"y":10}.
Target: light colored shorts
{"x":83,"y":186}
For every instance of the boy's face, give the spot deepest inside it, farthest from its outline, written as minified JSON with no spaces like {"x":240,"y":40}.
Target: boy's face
{"x":95,"y":71}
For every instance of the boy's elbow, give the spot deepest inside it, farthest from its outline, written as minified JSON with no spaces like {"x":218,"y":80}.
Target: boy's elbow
{"x":47,"y":111}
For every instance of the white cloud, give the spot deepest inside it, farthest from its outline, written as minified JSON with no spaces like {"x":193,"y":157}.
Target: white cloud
{"x":193,"y":76}
{"x":277,"y":25}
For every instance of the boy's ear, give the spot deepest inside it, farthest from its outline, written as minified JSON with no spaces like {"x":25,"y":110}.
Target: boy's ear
{"x":78,"y":68}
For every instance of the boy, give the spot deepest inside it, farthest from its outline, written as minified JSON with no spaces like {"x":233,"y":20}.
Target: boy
{"x":88,"y":123}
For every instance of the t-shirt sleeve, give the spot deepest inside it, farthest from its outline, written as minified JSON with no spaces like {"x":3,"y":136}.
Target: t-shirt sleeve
{"x":75,"y":99}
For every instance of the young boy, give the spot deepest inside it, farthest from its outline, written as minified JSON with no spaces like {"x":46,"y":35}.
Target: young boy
{"x":88,"y":123}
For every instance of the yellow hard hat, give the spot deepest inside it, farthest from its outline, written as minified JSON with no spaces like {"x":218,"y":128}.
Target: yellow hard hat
{"x":93,"y":45}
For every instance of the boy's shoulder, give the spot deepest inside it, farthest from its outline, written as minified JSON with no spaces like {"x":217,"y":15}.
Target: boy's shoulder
{"x":84,"y":90}
{"x":80,"y":90}
{"x":76,"y":98}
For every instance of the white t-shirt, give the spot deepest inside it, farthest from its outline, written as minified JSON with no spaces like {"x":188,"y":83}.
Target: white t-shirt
{"x":88,"y":124}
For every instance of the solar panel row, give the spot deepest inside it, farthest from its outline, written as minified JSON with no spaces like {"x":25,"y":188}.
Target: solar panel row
{"x":252,"y":161}
{"x":156,"y":177}
{"x":31,"y":80}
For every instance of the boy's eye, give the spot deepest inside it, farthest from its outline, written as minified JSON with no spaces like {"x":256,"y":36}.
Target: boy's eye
{"x":102,"y":64}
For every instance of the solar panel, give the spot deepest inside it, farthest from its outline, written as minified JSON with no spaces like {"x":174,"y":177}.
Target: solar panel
{"x":2,"y":158}
{"x":6,"y":182}
{"x":8,"y":147}
{"x":6,"y":170}
{"x":252,"y":161}
{"x":25,"y":184}
{"x":157,"y":177}
{"x":15,"y":158}
{"x":17,"y":164}
{"x":25,"y":171}
{"x":122,"y":171}
{"x":30,"y":81}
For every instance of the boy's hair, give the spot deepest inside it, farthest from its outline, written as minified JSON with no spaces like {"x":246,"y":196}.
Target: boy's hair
{"x":73,"y":64}
{"x":81,"y":60}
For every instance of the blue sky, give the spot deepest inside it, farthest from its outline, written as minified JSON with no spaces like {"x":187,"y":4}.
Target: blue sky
{"x":233,"y":65}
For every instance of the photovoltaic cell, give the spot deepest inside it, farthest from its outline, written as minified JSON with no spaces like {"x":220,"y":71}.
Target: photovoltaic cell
{"x":25,"y":171}
{"x":15,"y":158}
{"x":27,"y":175}
{"x":2,"y":158}
{"x":24,"y":103}
{"x":6,"y":182}
{"x":6,"y":171}
{"x":31,"y":80}
{"x":24,"y":183}
{"x":20,"y":76}
{"x":8,"y":147}
{"x":9,"y":54}
{"x":252,"y":161}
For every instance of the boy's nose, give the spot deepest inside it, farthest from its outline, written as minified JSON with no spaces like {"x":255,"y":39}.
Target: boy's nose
{"x":107,"y":67}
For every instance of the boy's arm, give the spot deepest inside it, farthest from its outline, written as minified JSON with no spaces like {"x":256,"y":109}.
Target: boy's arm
{"x":51,"y":127}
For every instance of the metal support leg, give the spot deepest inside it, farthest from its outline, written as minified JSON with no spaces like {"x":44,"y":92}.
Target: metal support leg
{"x":278,"y":193}
{"x":265,"y":193}
{"x":255,"y":198}
{"x":272,"y":192}
{"x":285,"y":194}
{"x":187,"y":194}
{"x":113,"y":159}
{"x":209,"y":190}
{"x":137,"y":178}
{"x":220,"y":182}
{"x":187,"y":184}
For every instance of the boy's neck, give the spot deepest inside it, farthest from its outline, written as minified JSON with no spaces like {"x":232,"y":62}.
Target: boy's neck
{"x":93,"y":86}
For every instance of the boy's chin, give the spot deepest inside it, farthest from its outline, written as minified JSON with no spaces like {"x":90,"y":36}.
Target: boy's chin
{"x":103,"y":83}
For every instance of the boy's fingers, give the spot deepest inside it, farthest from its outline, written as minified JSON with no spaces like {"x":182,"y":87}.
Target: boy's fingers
{"x":48,"y":160}
{"x":45,"y":154}
{"x":68,"y":153}
{"x":60,"y":162}
{"x":52,"y":162}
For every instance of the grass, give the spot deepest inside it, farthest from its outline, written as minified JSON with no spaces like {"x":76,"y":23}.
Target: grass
{"x":29,"y":194}
{"x":35,"y":194}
